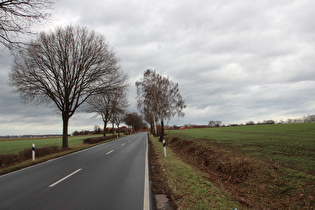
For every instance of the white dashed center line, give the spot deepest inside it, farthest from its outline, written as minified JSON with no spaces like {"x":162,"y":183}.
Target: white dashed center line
{"x":66,"y":177}
{"x":109,"y":152}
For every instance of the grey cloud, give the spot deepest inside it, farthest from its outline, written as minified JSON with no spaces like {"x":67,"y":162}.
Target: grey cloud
{"x":233,"y":60}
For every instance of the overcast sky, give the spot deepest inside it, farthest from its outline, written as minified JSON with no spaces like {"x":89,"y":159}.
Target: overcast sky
{"x":234,"y":60}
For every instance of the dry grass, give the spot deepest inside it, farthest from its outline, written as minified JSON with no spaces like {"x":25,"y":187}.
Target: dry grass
{"x":190,"y":188}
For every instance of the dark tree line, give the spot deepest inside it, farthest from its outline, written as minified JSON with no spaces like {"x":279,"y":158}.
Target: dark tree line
{"x":98,"y":130}
{"x":135,"y":121}
{"x":305,"y":119}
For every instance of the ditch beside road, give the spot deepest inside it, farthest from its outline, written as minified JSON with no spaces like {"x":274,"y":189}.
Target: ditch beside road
{"x":196,"y":176}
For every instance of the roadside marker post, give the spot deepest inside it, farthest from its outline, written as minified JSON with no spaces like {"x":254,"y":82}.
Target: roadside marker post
{"x":33,"y":152}
{"x":164,"y":146}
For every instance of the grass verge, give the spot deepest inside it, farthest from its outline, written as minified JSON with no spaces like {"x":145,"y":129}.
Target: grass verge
{"x":189,"y":186}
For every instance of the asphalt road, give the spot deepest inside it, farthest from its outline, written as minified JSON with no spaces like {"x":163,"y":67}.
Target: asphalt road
{"x":109,"y":176}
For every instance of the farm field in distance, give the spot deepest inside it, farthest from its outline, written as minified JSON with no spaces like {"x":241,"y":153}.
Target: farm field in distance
{"x":289,"y":145}
{"x":14,"y":146}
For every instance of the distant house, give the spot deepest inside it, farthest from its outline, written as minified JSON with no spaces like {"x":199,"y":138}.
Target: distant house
{"x":183,"y":128}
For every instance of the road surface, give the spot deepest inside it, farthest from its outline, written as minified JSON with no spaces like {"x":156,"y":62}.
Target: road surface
{"x":109,"y":176}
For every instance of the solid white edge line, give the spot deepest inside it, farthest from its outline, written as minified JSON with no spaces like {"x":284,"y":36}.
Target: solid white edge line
{"x":66,"y":177}
{"x":109,"y":152}
{"x":146,"y":200}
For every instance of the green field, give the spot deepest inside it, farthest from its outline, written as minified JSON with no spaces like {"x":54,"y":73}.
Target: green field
{"x":14,"y":146}
{"x":290,"y":145}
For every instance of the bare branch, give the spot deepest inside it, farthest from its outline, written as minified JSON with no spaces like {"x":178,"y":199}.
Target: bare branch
{"x":17,"y":16}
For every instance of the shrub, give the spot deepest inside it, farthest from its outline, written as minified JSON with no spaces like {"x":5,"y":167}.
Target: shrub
{"x":9,"y":159}
{"x":39,"y":152}
{"x":221,"y":164}
{"x":97,"y":139}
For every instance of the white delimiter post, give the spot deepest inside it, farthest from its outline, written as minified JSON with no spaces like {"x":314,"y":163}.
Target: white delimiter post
{"x":164,"y":145}
{"x":33,"y":152}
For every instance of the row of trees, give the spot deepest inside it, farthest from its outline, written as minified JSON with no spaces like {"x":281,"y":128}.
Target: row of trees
{"x":69,"y":67}
{"x":98,"y":130}
{"x":111,"y":106}
{"x":133,"y":120}
{"x":305,"y":119}
{"x":158,"y":99}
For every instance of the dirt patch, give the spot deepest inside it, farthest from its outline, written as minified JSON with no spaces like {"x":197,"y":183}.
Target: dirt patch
{"x":253,"y":183}
{"x":163,"y":195}
{"x":162,"y":202}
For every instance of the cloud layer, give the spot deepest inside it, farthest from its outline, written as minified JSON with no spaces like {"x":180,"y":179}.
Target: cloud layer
{"x":234,"y":61}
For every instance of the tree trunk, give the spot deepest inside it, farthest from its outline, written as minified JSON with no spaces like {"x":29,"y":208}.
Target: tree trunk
{"x":104,"y":131}
{"x":118,"y":131}
{"x":65,"y":119}
{"x":151,"y":128}
{"x":162,"y":131}
{"x":155,"y":130}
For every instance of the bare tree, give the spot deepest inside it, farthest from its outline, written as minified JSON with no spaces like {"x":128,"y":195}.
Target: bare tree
{"x":134,"y":120}
{"x":147,"y":95}
{"x":109,"y":103}
{"x":161,"y":96}
{"x":65,"y":67}
{"x":119,"y":113}
{"x":213,"y":123}
{"x":97,"y":129}
{"x":309,"y":118}
{"x":118,"y":118}
{"x":149,"y":118}
{"x":100,"y":105}
{"x":16,"y":17}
